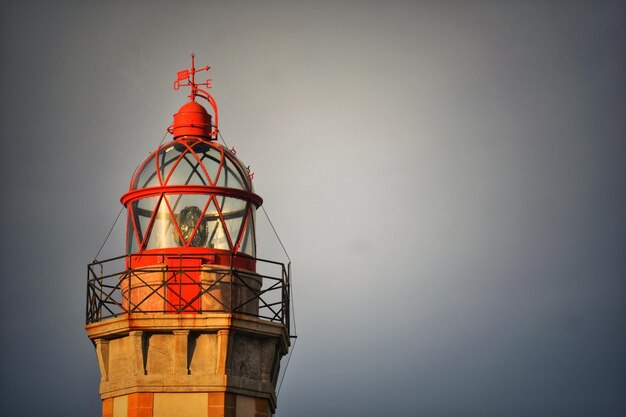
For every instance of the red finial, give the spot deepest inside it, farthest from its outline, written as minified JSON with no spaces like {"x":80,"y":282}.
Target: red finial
{"x":188,"y":77}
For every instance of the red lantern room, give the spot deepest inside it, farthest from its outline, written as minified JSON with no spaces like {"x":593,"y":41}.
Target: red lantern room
{"x":192,"y":195}
{"x":191,"y":203}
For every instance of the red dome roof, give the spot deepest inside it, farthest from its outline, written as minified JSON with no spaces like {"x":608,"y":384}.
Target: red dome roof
{"x":192,"y":120}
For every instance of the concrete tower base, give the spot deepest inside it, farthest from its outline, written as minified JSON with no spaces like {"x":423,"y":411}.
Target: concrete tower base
{"x":188,"y":365}
{"x":212,"y":404}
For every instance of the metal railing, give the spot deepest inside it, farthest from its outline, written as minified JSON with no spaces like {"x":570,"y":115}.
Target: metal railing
{"x":115,"y":288}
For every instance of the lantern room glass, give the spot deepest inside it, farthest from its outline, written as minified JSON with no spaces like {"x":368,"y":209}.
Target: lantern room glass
{"x":209,"y":220}
{"x":193,"y":162}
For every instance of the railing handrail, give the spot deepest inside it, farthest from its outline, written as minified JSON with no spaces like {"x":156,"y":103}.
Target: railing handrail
{"x":110,"y":294}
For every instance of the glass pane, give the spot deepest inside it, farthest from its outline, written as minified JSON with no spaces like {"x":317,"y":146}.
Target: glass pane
{"x":233,"y":211}
{"x":142,"y":211}
{"x":230,"y":176}
{"x":188,"y":171}
{"x":180,"y":201}
{"x":188,"y":209}
{"x":168,"y":157}
{"x":131,"y":238}
{"x":163,"y":233}
{"x":217,"y":236}
{"x":210,"y":158}
{"x":147,"y":177}
{"x":248,"y":244}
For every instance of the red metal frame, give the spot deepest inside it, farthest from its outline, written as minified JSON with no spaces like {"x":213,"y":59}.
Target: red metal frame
{"x":173,"y":217}
{"x":242,"y":229}
{"x":162,"y":191}
{"x":211,"y":256}
{"x":157,"y":206}
{"x":191,"y":189}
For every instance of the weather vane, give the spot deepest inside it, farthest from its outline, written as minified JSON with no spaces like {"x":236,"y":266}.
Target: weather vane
{"x":187,"y":78}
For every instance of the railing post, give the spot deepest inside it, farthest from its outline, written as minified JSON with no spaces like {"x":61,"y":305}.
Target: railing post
{"x":230,"y":284}
{"x":288,"y":295}
{"x":130,"y":307}
{"x":180,"y":284}
{"x":130,"y":288}
{"x":88,"y":307}
{"x":98,"y":280}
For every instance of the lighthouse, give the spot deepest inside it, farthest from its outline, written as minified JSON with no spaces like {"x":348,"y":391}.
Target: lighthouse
{"x":188,"y":321}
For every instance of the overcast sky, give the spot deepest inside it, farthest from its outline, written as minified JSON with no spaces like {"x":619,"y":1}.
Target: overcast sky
{"x":448,"y":178}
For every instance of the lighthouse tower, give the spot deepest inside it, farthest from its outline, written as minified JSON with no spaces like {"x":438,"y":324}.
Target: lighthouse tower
{"x":189,"y":322}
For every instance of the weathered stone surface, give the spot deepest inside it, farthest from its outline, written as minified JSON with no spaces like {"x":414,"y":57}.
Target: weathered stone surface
{"x":120,"y":406}
{"x":140,"y":404}
{"x":202,"y":358}
{"x":200,"y":354}
{"x":143,"y":290}
{"x":225,"y":291}
{"x":159,"y":354}
{"x":121,"y":359}
{"x":181,"y":404}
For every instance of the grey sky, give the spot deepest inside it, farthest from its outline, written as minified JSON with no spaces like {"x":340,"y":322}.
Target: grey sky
{"x":448,"y":177}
